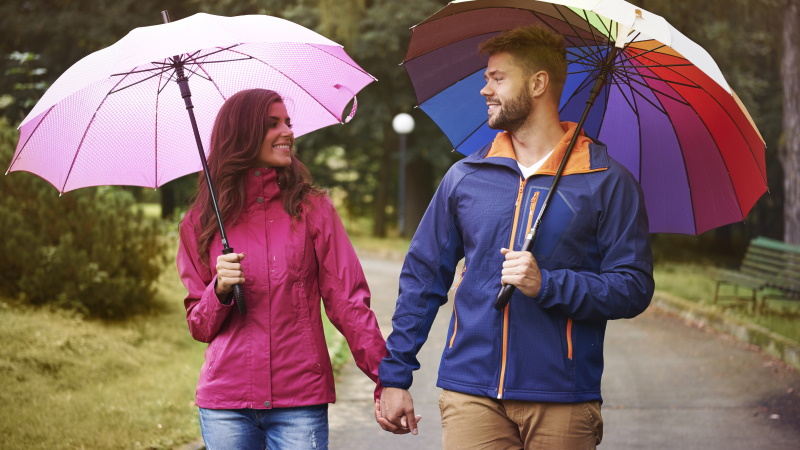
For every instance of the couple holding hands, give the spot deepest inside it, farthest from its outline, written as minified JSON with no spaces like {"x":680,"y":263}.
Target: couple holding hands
{"x":527,"y":376}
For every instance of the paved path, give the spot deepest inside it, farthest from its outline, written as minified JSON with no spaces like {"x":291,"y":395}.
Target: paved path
{"x":666,"y":386}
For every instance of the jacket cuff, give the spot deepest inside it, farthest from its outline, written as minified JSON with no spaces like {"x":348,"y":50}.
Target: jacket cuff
{"x":544,"y":289}
{"x":210,"y":296}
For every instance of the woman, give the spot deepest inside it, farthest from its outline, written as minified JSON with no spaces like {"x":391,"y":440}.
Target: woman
{"x":267,"y":377}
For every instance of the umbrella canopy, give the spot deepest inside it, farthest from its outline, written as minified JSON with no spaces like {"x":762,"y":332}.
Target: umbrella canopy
{"x":665,"y":112}
{"x":114,"y":118}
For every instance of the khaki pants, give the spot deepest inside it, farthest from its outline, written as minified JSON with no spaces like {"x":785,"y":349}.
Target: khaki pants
{"x":473,"y":422}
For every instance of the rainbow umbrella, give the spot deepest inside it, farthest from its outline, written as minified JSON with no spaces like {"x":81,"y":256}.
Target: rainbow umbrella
{"x":663,"y":107}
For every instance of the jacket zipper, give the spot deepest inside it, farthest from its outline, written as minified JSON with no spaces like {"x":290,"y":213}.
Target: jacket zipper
{"x":534,"y":201}
{"x":522,"y":182}
{"x":455,"y":314}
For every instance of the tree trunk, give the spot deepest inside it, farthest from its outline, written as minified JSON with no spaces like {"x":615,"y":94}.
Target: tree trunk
{"x":419,"y":191}
{"x":167,"y":201}
{"x":389,"y":147}
{"x":790,"y":148}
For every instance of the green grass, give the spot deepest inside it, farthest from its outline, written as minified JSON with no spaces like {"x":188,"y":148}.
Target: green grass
{"x":72,"y":383}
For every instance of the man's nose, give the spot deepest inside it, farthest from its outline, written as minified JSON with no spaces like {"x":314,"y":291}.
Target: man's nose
{"x":486,"y":91}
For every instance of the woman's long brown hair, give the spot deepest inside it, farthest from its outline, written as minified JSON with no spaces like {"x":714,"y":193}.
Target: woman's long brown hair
{"x":239,"y":131}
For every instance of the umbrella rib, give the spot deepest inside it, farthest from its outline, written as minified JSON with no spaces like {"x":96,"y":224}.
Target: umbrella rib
{"x":653,"y":65}
{"x":345,"y":62}
{"x":582,"y":71}
{"x":647,"y":99}
{"x":470,"y":135}
{"x":584,"y":84}
{"x":586,"y":53}
{"x":293,"y":81}
{"x":194,"y":60}
{"x":633,"y":105}
{"x":195,"y":73}
{"x":595,"y":60}
{"x":158,"y":96}
{"x":634,"y":56}
{"x":138,"y":82}
{"x":166,"y":82}
{"x":651,"y":77}
{"x":679,"y":100}
{"x":591,"y":27}
{"x":575,"y":31}
{"x":85,"y":132}
{"x":200,"y":66}
{"x":29,"y":138}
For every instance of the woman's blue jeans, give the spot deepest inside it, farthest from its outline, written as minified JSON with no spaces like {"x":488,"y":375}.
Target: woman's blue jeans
{"x":303,"y":427}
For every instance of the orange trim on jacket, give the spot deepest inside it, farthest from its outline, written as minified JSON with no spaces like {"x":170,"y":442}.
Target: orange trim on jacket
{"x":579,"y":159}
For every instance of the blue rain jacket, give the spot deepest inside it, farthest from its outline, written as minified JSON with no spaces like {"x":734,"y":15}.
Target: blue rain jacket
{"x":592,"y":248}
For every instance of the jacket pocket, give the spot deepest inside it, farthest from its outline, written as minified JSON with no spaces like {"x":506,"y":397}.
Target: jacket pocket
{"x":300,"y":301}
{"x":569,"y":339}
{"x":455,"y":312}
{"x":212,"y":355}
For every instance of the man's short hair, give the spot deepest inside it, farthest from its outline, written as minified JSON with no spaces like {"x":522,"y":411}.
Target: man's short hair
{"x":535,"y":48}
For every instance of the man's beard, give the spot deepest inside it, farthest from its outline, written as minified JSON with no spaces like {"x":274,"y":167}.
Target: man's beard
{"x":513,"y":113}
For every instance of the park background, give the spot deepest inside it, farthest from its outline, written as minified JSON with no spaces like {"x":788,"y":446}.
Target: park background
{"x":95,"y":350}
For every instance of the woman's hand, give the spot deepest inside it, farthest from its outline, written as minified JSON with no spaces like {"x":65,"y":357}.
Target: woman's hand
{"x":229,"y":273}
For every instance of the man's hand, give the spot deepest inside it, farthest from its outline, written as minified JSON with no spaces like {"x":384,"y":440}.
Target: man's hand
{"x":394,"y":412}
{"x":521,"y":270}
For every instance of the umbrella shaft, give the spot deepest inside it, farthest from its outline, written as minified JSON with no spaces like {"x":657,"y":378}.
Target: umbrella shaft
{"x":186,"y":93}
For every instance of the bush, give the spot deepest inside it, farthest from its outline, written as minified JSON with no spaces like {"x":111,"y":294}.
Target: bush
{"x":89,"y":250}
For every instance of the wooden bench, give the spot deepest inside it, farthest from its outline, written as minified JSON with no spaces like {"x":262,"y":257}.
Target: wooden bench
{"x":770,"y":267}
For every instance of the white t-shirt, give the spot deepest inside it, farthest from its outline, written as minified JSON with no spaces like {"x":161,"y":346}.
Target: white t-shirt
{"x":528,"y":171}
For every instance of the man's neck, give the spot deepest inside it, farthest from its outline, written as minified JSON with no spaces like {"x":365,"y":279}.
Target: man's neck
{"x":536,"y":137}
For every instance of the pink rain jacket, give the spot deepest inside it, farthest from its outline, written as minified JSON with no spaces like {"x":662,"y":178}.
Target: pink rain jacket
{"x":275,"y":356}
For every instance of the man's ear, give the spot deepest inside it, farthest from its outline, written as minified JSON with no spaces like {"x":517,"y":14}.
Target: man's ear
{"x":538,"y":83}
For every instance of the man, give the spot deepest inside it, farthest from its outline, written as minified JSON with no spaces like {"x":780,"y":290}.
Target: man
{"x":527,"y":376}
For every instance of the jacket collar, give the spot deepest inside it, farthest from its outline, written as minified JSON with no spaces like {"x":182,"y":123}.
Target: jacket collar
{"x":261,"y":183}
{"x":581,"y":160}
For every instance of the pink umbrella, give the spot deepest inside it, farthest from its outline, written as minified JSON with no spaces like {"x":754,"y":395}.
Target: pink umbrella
{"x":114,"y":118}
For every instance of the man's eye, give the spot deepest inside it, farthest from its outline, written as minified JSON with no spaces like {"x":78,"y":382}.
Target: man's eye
{"x":289,"y":125}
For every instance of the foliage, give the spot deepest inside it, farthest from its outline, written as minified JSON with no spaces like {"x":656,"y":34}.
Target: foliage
{"x":88,"y":250}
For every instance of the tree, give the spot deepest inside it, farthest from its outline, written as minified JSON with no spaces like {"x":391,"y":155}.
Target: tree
{"x":790,"y":145}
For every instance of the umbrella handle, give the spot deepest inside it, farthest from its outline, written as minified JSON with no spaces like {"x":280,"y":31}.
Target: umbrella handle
{"x":238,"y":292}
{"x":507,"y":290}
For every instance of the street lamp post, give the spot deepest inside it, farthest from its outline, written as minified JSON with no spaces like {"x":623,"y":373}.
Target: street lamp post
{"x":403,"y":124}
